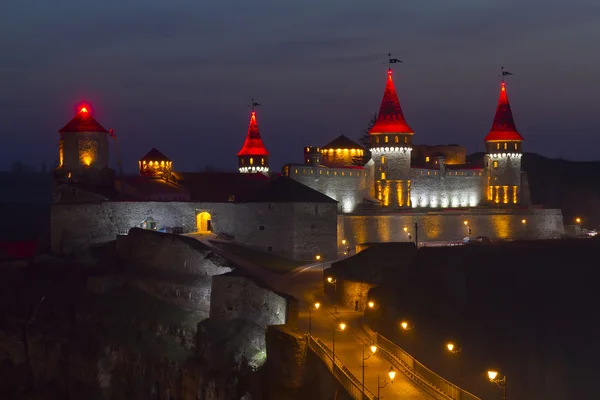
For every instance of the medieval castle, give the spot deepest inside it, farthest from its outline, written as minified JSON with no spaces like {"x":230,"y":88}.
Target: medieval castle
{"x":402,"y":192}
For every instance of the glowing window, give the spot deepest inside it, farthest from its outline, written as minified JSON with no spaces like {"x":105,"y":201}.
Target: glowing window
{"x":350,"y":173}
{"x":405,"y":139}
{"x":383,"y":159}
{"x":383,"y":175}
{"x":262,"y":161}
{"x":342,"y":174}
{"x":505,"y":146}
{"x":251,"y":161}
{"x":386,"y":139}
{"x":495,"y":164}
{"x":515,"y":146}
{"x":396,"y":139}
{"x":426,"y":159}
{"x":498,"y":146}
{"x":335,"y":173}
{"x":296,"y":171}
{"x":311,"y":171}
{"x":242,"y":161}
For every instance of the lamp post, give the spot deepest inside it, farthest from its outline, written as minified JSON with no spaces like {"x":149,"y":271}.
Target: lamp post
{"x":316,"y":306}
{"x":501,"y":382}
{"x":458,"y":351}
{"x":391,"y":374}
{"x":341,"y":326}
{"x":319,"y":258}
{"x":524,"y":222}
{"x":468,"y":229}
{"x":373,"y":349}
{"x":333,"y":281}
{"x":417,"y":235}
{"x":406,"y":326}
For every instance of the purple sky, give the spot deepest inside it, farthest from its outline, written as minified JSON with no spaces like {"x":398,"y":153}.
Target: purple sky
{"x":180,"y":75}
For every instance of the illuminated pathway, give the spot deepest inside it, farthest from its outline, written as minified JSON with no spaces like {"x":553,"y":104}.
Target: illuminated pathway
{"x":306,"y":284}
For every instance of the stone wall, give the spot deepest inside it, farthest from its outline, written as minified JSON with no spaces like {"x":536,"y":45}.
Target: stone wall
{"x":449,"y":225}
{"x":349,"y":292}
{"x":288,"y":229}
{"x":241,"y":297}
{"x":446,"y":188}
{"x":347,"y":186}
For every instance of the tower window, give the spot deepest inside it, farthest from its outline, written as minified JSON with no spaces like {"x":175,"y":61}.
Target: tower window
{"x":515,"y":146}
{"x":405,"y":139}
{"x":495,"y":164}
{"x":497,"y":146}
{"x":426,"y":159}
{"x":242,"y":161}
{"x":383,"y":159}
{"x":377,"y":139}
{"x":396,"y":139}
{"x":386,"y":139}
{"x":251,"y":161}
{"x":383,"y":175}
{"x":505,"y":146}
{"x":262,"y":161}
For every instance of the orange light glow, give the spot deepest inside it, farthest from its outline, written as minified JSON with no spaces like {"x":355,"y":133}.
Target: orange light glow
{"x":83,"y":109}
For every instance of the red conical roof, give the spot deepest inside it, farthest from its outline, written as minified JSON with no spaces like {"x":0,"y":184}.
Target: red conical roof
{"x":83,"y":122}
{"x":390,"y":118}
{"x":504,"y":127}
{"x":253,"y":146}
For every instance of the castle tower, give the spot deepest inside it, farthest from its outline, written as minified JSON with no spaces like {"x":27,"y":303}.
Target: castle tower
{"x":391,"y":146}
{"x":156,"y":165}
{"x":504,"y":148}
{"x":83,"y":146}
{"x":253,"y":157}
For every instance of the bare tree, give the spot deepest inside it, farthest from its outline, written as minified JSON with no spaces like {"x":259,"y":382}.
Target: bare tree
{"x":365,"y":141}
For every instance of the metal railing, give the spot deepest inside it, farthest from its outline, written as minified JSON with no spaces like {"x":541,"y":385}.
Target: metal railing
{"x":438,"y":386}
{"x":339,"y":371}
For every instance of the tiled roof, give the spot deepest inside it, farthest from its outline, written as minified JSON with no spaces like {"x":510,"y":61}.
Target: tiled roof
{"x":342,"y":142}
{"x":219,"y":186}
{"x":503,"y":127}
{"x":83,"y":122}
{"x":253,"y":145}
{"x":390,"y":118}
{"x":286,"y":190}
{"x":155,"y":155}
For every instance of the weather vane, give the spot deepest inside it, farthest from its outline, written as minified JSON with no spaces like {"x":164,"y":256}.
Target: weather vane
{"x":504,"y":73}
{"x":255,"y":104}
{"x":392,"y":60}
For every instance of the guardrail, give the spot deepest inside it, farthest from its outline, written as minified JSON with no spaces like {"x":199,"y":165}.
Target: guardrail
{"x":436,"y":385}
{"x":342,"y":374}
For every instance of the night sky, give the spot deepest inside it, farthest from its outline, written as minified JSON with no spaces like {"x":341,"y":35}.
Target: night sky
{"x":180,"y":75}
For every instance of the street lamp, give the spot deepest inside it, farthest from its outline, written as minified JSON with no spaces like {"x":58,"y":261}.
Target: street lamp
{"x":371,"y":304}
{"x":341,"y":326}
{"x":452,"y":348}
{"x":501,"y":382}
{"x":333,"y":281}
{"x":391,"y":374}
{"x":468,"y":229}
{"x":344,"y":242}
{"x":406,"y":326}
{"x":373,"y":349}
{"x":578,"y":220}
{"x":316,"y":307}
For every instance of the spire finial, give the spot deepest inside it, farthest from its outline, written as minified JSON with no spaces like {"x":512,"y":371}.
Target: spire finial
{"x":392,"y":61}
{"x":504,"y":73}
{"x":255,"y":104}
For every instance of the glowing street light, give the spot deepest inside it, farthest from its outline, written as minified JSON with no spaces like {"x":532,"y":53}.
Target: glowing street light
{"x":406,"y":326}
{"x":523,"y":221}
{"x":468,"y":229}
{"x":373,"y":350}
{"x":405,"y":229}
{"x":578,"y":220}
{"x":371,"y":304}
{"x":391,"y":375}
{"x":344,"y":242}
{"x":452,"y":348}
{"x":341,"y":327}
{"x":501,"y":382}
{"x":318,"y":257}
{"x":316,"y":306}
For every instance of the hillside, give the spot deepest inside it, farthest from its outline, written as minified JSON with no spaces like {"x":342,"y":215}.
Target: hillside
{"x":572,"y":186}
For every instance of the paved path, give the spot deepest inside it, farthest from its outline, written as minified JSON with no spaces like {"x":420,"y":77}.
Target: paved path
{"x":306,"y":284}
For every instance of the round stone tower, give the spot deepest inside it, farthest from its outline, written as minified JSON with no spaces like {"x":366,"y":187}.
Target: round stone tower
{"x":253,"y":157}
{"x":504,"y":148}
{"x":83,"y":146}
{"x":391,"y":146}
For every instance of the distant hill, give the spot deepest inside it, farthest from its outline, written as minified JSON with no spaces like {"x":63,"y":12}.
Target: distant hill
{"x":573,"y":186}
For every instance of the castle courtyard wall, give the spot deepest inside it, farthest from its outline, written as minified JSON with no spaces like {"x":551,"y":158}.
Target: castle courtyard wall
{"x":448,"y":225}
{"x":444,"y":189}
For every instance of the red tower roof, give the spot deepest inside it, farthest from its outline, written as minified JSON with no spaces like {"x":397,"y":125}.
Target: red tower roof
{"x":504,"y":127}
{"x":83,"y":122}
{"x":390,"y":118}
{"x":253,"y":146}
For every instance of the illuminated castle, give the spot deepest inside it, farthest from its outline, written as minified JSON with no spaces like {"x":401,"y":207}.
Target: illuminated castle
{"x":402,"y":175}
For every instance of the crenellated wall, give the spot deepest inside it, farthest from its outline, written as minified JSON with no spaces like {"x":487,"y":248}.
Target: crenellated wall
{"x":449,"y":225}
{"x":447,"y":188}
